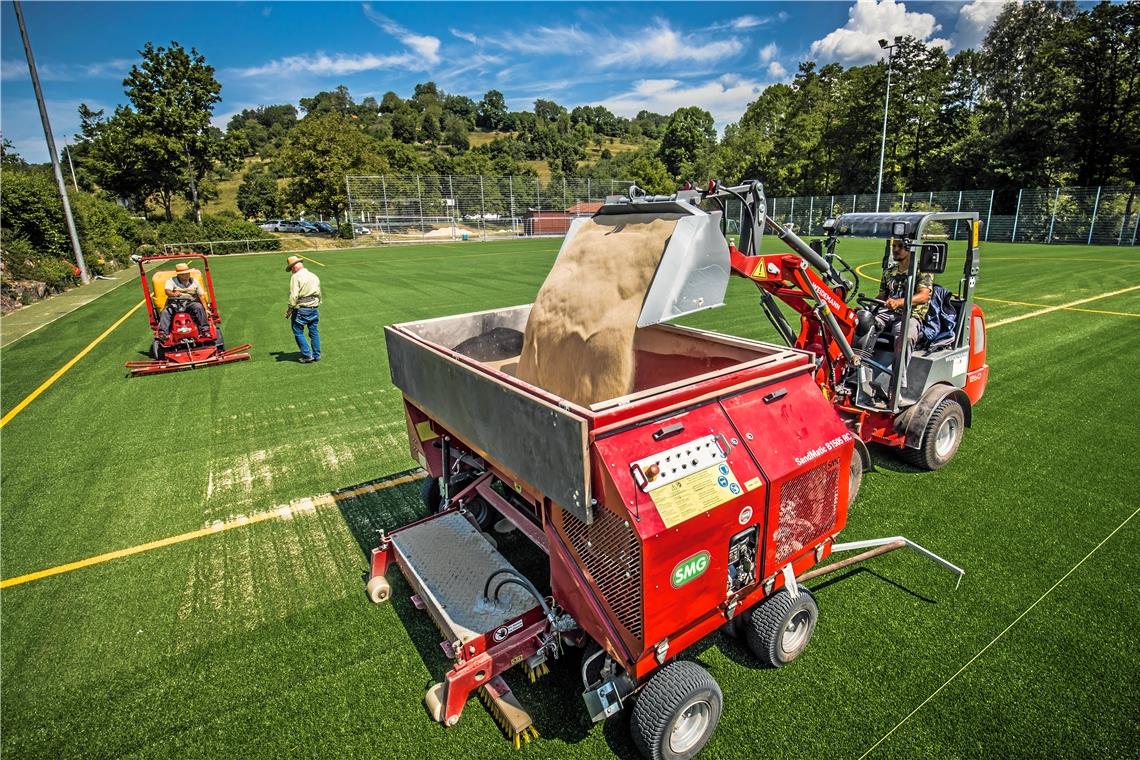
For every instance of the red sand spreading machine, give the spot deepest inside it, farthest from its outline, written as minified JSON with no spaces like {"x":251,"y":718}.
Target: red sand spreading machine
{"x":701,"y":500}
{"x":184,"y":346}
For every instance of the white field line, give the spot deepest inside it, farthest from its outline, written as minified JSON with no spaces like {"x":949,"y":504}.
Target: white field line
{"x":1049,"y":310}
{"x":1003,"y":633}
{"x":79,"y":305}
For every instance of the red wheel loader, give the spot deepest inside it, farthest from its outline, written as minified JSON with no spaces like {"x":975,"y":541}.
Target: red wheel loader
{"x":702,"y":499}
{"x":185,"y":346}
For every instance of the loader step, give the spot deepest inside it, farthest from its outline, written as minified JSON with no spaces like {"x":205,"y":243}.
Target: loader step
{"x":448,"y":561}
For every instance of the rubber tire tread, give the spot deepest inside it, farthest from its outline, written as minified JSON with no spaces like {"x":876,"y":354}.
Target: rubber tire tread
{"x":766,"y":621}
{"x":925,"y":457}
{"x":853,"y":488}
{"x":659,"y":702}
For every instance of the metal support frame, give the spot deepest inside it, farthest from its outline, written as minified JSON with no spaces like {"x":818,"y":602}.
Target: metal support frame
{"x":420,"y":202}
{"x":811,"y":212}
{"x":989,"y":215}
{"x":387,"y":212}
{"x":482,"y":208}
{"x":1135,"y":228}
{"x":959,"y":209}
{"x":1053,"y":218}
{"x":351,"y":221}
{"x":880,"y":546}
{"x":1016,"y":214}
{"x":1092,"y":224}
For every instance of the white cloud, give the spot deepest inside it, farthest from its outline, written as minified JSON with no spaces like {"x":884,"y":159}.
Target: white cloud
{"x":776,"y":71}
{"x":544,"y":40}
{"x":13,"y":69}
{"x":662,"y":44}
{"x":725,"y":97}
{"x":974,"y":21}
{"x":769,"y":52}
{"x":423,"y":45}
{"x":856,"y":42}
{"x":468,"y":36}
{"x":748,"y":22}
{"x":339,"y":64}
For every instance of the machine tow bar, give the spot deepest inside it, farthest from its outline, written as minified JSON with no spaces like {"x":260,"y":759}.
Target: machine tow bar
{"x":877,"y":547}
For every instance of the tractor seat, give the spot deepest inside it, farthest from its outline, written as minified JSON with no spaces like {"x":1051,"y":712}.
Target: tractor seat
{"x":161,"y":277}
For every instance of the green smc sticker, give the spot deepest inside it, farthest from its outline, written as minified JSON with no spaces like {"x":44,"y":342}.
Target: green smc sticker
{"x":689,"y":569}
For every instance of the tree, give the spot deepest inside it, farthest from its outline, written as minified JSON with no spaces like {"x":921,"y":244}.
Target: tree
{"x":173,"y":93}
{"x":338,"y":100}
{"x":429,"y":127}
{"x":258,"y":197}
{"x":688,"y":136}
{"x":547,"y":110}
{"x":405,"y":123}
{"x":390,"y":103}
{"x":9,"y":157}
{"x":492,"y":111}
{"x":455,"y":133}
{"x":320,"y":151}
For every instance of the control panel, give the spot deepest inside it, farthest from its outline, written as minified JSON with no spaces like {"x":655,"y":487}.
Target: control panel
{"x":671,"y":465}
{"x":742,"y":559}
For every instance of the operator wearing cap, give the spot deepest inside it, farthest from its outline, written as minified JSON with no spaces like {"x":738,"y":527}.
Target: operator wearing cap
{"x":183,"y":293}
{"x":892,"y":290}
{"x":303,"y":311}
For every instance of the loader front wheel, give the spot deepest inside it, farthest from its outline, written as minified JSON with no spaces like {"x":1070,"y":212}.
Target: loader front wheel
{"x":676,"y":712}
{"x":941,"y":438}
{"x":378,"y":589}
{"x":780,"y":627}
{"x":854,"y":477}
{"x":483,"y":512}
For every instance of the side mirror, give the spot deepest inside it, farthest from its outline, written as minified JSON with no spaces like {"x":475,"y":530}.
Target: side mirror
{"x":932,"y":258}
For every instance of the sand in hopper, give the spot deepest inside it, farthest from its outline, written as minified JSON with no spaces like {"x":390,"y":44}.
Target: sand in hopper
{"x":579,"y":337}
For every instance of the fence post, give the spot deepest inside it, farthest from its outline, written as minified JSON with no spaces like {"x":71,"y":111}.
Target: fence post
{"x":348,"y":192}
{"x":589,"y":198}
{"x":989,"y":215}
{"x":1096,"y":205}
{"x":831,"y":208}
{"x":959,"y":211}
{"x":211,"y":247}
{"x":903,"y":209}
{"x":537,"y":194}
{"x":1016,"y":213}
{"x":792,"y":212}
{"x":387,"y":213}
{"x":420,"y":201}
{"x":1053,"y":218}
{"x":1135,"y":228}
{"x":811,"y":210}
{"x":854,"y":203}
{"x":482,"y":208}
{"x":511,"y":195}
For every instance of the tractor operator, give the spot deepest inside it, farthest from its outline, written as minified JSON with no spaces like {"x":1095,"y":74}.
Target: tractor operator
{"x":303,"y":311}
{"x":892,"y":290}
{"x":183,"y":293}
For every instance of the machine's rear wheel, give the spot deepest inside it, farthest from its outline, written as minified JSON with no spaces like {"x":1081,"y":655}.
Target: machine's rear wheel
{"x":676,"y":713}
{"x":941,"y":438}
{"x":156,"y":350}
{"x":780,"y":627}
{"x":483,"y":513}
{"x":854,"y":477}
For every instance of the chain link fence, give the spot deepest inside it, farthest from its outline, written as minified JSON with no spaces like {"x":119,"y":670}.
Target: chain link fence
{"x":1106,"y":215}
{"x":422,"y":208}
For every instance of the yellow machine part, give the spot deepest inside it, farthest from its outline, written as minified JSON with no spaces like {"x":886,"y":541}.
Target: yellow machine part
{"x":159,"y":280}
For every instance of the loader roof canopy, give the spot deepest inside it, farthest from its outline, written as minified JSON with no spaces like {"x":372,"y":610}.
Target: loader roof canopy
{"x":878,"y":224}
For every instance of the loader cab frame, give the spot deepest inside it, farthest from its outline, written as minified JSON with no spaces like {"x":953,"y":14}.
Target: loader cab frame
{"x":911,"y":372}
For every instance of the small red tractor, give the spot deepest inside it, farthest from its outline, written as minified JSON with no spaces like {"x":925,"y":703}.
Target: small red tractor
{"x":701,"y":500}
{"x":185,"y":346}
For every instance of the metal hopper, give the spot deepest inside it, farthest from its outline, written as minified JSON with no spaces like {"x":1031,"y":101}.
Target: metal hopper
{"x":694,"y":270}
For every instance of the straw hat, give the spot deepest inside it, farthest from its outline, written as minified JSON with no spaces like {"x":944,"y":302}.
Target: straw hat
{"x":181,"y":269}
{"x":291,"y":262}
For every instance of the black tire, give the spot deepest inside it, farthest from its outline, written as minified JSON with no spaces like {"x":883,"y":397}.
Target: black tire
{"x":941,"y":438}
{"x":676,"y":712}
{"x":854,"y":477}
{"x":483,"y":513}
{"x":219,"y":341}
{"x":157,"y":352}
{"x":780,"y":627}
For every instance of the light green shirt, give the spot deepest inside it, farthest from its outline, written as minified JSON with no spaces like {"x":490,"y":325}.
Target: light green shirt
{"x":304,"y":289}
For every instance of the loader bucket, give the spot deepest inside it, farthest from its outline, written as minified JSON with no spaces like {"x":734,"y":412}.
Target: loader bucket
{"x":694,"y":270}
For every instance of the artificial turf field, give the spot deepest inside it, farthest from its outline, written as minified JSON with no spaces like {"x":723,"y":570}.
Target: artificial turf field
{"x":257,"y":640}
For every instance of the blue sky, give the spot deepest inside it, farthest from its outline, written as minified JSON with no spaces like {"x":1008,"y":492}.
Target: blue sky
{"x":626,"y":56}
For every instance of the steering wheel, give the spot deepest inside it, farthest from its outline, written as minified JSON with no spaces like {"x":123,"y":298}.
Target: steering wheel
{"x":865,"y":301}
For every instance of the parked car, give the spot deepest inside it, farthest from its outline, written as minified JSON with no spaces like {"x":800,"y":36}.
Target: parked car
{"x":325,"y":227}
{"x":282,"y":225}
{"x":360,"y":229}
{"x":309,"y":228}
{"x":270,"y":225}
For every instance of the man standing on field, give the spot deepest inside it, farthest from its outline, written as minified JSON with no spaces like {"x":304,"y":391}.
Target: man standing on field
{"x":303,"y":311}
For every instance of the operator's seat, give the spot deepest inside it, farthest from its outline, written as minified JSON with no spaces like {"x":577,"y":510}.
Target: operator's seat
{"x":161,"y":277}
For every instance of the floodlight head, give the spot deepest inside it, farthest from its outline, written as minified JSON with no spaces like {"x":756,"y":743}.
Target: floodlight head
{"x":829,"y":224}
{"x":883,"y":44}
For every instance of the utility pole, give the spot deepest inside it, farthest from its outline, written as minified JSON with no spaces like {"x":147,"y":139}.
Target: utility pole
{"x":886,"y":107}
{"x":83,"y":275}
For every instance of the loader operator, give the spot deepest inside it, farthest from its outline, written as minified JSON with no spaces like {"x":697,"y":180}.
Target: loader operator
{"x":892,"y":290}
{"x":183,"y":293}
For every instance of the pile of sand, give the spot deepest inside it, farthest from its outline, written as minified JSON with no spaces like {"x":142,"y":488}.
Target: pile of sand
{"x":579,"y":337}
{"x":450,"y":233}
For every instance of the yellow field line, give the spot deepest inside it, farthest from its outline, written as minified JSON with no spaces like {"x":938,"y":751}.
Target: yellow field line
{"x":1006,"y":630}
{"x":1043,"y":308}
{"x":71,"y":363}
{"x":306,"y":258}
{"x":1068,"y":305}
{"x":210,"y":530}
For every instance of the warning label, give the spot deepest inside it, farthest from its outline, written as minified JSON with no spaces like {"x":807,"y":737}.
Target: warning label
{"x":694,"y":494}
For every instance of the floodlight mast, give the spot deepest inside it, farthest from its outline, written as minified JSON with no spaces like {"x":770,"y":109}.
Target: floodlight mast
{"x":71,"y":232}
{"x":886,"y":106}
